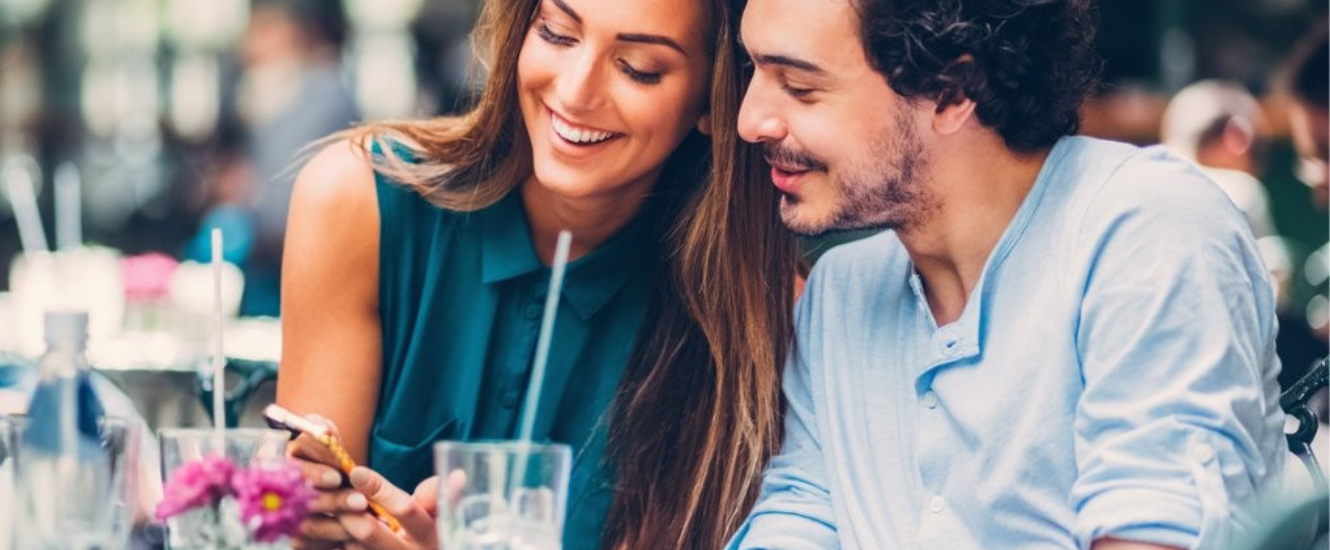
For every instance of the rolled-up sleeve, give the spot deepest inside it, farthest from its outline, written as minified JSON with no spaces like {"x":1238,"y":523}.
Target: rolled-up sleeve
{"x":1178,"y":426}
{"x":794,"y":509}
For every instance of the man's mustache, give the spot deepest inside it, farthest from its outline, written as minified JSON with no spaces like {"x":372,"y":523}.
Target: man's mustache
{"x":791,"y":158}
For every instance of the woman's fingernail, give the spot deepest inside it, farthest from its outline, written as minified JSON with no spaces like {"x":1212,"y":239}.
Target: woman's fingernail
{"x":359,"y":526}
{"x":332,"y":478}
{"x":357,"y":501}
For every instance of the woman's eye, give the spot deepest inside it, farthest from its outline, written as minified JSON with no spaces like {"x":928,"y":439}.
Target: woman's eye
{"x":548,"y":35}
{"x":639,"y":76}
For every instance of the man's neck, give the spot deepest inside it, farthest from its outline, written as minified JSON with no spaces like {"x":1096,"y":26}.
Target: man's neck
{"x":979,"y":186}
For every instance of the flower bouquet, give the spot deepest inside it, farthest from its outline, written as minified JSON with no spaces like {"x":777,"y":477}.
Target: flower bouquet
{"x":227,"y":507}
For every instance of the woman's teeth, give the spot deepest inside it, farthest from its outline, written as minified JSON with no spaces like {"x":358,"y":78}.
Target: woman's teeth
{"x":578,"y":135}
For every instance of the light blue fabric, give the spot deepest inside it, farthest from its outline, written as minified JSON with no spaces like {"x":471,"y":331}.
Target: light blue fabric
{"x":1113,"y":373}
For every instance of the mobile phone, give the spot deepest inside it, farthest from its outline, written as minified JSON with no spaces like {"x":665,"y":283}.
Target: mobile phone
{"x":282,"y":419}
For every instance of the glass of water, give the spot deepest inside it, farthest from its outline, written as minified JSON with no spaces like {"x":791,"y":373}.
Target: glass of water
{"x":8,"y":491}
{"x":502,"y":495}
{"x":69,"y":504}
{"x":201,"y":529}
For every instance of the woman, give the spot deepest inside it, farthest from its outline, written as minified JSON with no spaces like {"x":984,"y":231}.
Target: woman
{"x":411,"y":297}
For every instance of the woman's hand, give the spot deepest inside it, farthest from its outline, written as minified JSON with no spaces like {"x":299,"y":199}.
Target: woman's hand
{"x":415,"y":512}
{"x":321,"y":530}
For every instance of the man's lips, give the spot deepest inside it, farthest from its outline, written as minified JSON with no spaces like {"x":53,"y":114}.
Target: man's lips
{"x":787,"y":181}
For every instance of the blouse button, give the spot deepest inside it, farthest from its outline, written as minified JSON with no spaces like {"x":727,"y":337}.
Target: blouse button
{"x":533,"y":311}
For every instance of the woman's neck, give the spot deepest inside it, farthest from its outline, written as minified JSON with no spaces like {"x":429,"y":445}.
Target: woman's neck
{"x":591,"y":220}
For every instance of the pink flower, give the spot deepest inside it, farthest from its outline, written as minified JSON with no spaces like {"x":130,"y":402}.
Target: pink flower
{"x":147,"y":276}
{"x":273,"y":500}
{"x":198,"y":483}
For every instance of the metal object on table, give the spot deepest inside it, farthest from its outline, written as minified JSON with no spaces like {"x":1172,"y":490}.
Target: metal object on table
{"x":253,"y":374}
{"x":1296,"y":403}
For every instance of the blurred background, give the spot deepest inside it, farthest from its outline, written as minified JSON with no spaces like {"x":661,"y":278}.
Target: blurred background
{"x":130,"y":128}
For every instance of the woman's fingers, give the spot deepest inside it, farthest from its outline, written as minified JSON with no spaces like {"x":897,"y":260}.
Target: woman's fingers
{"x":415,"y":521}
{"x":456,"y":483}
{"x":426,"y":496}
{"x":318,"y":531}
{"x":368,"y":532}
{"x":322,"y":476}
{"x":341,"y":501}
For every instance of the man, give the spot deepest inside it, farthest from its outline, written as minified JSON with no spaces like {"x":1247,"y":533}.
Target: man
{"x":1062,"y":342}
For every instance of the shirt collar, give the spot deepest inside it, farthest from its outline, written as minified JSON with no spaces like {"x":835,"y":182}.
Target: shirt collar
{"x":963,"y":338}
{"x":507,"y":253}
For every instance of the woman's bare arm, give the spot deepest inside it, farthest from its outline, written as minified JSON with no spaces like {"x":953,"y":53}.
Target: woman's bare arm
{"x":331,"y":340}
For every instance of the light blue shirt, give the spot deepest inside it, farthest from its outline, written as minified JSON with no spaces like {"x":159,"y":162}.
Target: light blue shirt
{"x":1112,"y":374}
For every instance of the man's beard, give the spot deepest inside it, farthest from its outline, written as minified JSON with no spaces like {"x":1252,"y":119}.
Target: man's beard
{"x":884,"y":191}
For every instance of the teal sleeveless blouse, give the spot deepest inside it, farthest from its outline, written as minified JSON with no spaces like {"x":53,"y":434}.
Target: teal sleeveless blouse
{"x":461,"y":297}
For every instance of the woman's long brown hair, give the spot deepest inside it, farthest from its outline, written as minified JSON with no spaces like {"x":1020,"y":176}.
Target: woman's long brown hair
{"x":698,"y":410}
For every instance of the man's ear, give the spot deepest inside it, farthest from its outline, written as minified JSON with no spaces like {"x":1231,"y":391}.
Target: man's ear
{"x":952,"y":116}
{"x":954,"y":107}
{"x":704,"y":123}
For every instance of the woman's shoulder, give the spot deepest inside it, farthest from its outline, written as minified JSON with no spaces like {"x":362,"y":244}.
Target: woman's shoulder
{"x":348,"y":175}
{"x":337,"y":179}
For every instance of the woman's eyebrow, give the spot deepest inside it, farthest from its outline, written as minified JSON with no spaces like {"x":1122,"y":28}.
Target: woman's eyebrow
{"x":651,"y":39}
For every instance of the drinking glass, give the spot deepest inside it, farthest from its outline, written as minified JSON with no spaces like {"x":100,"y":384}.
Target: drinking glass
{"x":502,"y":495}
{"x":62,"y":504}
{"x":200,"y":529}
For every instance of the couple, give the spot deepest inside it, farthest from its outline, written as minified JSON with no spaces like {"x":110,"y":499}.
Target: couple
{"x":1064,"y":342}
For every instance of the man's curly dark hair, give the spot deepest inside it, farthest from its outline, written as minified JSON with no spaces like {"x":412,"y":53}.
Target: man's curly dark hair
{"x":1027,"y":64}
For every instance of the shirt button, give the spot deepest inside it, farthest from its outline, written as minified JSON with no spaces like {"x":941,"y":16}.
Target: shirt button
{"x":930,"y":400}
{"x":948,"y":341}
{"x":936,"y":504}
{"x":1202,"y":453}
{"x":532,"y":311}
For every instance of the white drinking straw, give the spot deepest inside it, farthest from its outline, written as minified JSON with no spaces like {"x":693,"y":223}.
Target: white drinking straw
{"x":546,"y":334}
{"x":20,"y":181}
{"x":218,"y":361}
{"x":538,"y":369}
{"x":68,"y":207}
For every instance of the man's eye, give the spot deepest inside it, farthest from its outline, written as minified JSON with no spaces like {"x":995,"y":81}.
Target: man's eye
{"x":798,"y":93}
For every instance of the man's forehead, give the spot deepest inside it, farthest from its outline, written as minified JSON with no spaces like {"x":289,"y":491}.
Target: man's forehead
{"x":824,"y":32}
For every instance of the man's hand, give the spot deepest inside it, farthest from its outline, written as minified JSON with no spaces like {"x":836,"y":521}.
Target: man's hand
{"x":1119,"y":544}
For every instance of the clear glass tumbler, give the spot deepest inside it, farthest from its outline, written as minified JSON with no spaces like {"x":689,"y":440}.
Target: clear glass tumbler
{"x":502,"y":495}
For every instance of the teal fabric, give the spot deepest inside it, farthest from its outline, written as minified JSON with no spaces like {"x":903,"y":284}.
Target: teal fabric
{"x":461,"y":299}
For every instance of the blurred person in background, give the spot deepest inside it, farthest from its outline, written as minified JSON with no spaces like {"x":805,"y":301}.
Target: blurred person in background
{"x":1309,"y":115}
{"x":1308,"y":82}
{"x":416,"y":277}
{"x":291,"y":94}
{"x":1303,"y":334}
{"x":1218,"y":125}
